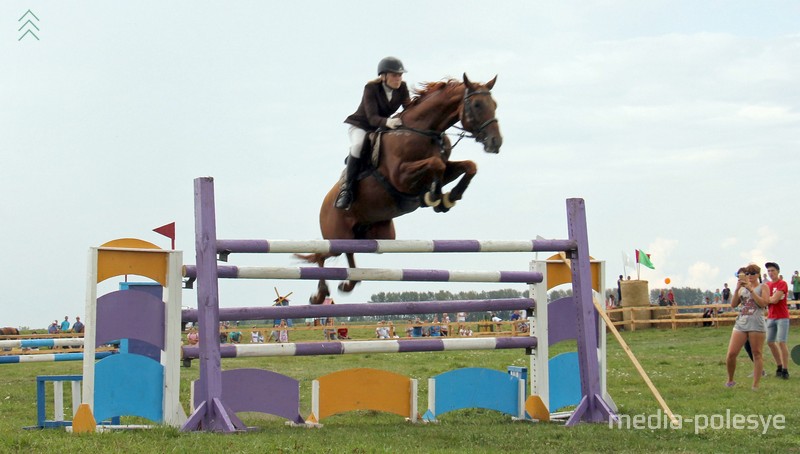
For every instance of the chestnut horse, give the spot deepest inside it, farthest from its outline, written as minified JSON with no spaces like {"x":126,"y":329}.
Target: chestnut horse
{"x":413,"y":167}
{"x":9,"y":331}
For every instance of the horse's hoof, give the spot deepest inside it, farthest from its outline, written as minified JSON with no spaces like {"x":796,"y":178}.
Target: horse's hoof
{"x":347,"y":286}
{"x":430,"y":202}
{"x":446,"y":201}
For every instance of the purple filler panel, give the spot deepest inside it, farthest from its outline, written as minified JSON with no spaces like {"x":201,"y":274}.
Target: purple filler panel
{"x":126,"y":314}
{"x":258,"y":390}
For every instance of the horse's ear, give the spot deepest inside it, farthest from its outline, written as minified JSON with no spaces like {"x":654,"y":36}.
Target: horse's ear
{"x":490,"y":84}
{"x":470,"y":85}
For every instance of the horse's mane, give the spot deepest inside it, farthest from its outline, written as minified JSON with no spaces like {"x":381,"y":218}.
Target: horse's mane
{"x":427,"y":88}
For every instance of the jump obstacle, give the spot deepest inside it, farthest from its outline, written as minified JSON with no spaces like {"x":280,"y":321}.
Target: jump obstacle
{"x":216,"y":407}
{"x":218,"y":395}
{"x":128,"y":383}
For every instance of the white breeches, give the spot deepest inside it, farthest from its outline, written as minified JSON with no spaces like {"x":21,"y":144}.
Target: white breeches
{"x":357,"y":136}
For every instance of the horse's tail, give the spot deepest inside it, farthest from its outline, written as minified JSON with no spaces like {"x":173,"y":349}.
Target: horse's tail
{"x":317,"y":258}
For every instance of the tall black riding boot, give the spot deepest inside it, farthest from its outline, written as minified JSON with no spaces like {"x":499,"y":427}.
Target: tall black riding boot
{"x":346,"y":192}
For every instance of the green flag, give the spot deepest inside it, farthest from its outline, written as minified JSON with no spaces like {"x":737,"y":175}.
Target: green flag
{"x":642,"y":258}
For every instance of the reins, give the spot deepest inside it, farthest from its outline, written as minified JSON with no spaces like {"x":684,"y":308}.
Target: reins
{"x":439,"y":136}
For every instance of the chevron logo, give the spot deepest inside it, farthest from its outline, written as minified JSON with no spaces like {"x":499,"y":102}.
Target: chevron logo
{"x":28,"y":25}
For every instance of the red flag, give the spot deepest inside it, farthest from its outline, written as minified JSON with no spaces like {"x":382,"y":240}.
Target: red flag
{"x":168,"y":230}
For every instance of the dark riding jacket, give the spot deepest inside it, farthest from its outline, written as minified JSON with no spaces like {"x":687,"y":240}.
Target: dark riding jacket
{"x":375,"y":108}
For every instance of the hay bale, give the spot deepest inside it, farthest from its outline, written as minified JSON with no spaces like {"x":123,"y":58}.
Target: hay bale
{"x":636,"y":294}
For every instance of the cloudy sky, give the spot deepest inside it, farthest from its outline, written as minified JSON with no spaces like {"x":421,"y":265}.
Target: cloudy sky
{"x":677,"y":121}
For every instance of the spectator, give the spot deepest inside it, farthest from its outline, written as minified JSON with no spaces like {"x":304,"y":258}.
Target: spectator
{"x":671,"y":298}
{"x":274,"y":335}
{"x":193,"y":338}
{"x":77,"y":327}
{"x":726,"y":295}
{"x":435,"y":328}
{"x":796,"y":289}
{"x":392,"y":333}
{"x":610,"y":302}
{"x":619,"y":289}
{"x":342,"y":332}
{"x":461,"y":318}
{"x":709,"y":312}
{"x":255,"y":336}
{"x":382,"y":331}
{"x":283,"y":333}
{"x":53,"y":328}
{"x":64,"y":328}
{"x":750,"y":323}
{"x":329,"y":331}
{"x":662,"y":299}
{"x":235,"y":337}
{"x":778,"y":323}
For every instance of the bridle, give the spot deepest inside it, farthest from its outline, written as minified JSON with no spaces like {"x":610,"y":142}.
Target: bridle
{"x":466,"y":117}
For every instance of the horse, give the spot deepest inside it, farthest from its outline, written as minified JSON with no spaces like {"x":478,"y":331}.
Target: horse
{"x":412,"y":167}
{"x":9,"y":331}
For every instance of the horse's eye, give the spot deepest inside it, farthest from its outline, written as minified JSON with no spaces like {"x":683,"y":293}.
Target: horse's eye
{"x":478,"y":104}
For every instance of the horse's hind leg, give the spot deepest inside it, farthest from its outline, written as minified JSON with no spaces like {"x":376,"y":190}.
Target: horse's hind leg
{"x":322,"y":293}
{"x":348,"y":285}
{"x":322,"y":288}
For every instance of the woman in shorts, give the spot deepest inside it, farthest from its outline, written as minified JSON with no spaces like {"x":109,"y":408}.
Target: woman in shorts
{"x":753,"y":297}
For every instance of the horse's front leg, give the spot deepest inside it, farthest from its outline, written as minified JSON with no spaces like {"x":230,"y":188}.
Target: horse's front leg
{"x":464,"y":169}
{"x":416,"y":176}
{"x":348,"y":285}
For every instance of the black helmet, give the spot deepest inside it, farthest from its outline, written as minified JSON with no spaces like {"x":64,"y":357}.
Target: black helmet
{"x":390,"y":65}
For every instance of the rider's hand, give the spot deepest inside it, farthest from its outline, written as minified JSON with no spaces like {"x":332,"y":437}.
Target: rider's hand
{"x":393,"y":123}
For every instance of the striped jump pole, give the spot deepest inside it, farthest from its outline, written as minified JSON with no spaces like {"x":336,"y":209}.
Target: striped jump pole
{"x":361,"y":347}
{"x":369,"y":274}
{"x":37,"y":343}
{"x":49,"y":357}
{"x":226,"y":247}
{"x":366,"y":309}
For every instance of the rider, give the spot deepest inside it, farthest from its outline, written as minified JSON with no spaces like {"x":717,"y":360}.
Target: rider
{"x":382,"y":97}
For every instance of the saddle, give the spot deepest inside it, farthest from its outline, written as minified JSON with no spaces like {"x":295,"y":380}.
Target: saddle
{"x":369,"y":167}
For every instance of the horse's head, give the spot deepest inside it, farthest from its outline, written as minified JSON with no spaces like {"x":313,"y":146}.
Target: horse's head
{"x":477,"y":114}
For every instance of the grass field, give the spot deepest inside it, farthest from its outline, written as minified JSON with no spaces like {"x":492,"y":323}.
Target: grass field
{"x":686,"y":365}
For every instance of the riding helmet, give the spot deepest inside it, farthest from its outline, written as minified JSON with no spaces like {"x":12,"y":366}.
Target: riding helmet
{"x":390,"y":65}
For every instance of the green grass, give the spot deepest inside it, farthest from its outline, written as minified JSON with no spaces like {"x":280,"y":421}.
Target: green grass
{"x":686,"y":365}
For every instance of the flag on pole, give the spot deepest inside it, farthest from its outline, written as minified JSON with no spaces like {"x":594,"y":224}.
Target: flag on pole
{"x":168,"y":230}
{"x":644,"y":259}
{"x":626,"y":262}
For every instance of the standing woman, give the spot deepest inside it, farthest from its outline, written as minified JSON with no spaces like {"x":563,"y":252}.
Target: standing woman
{"x":382,"y":97}
{"x":750,"y":323}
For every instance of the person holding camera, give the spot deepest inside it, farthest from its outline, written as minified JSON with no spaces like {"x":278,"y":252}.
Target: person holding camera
{"x":750,"y":325}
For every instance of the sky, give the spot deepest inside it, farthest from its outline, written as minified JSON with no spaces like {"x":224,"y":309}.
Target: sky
{"x":676,"y":121}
